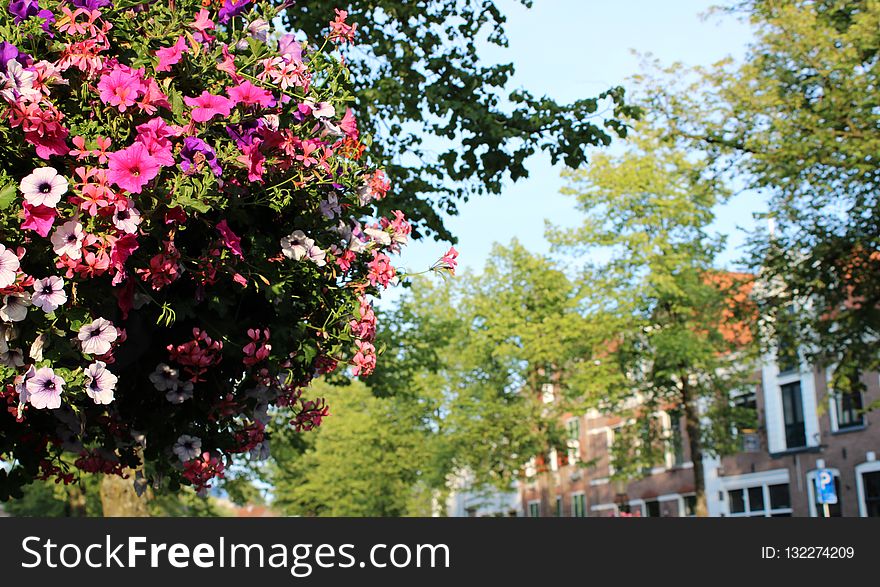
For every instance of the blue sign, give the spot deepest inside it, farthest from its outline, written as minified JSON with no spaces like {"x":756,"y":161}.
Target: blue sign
{"x":826,"y":492}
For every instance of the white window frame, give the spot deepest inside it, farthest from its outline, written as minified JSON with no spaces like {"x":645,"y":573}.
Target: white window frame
{"x":575,"y":495}
{"x":772,"y":381}
{"x":573,"y":444}
{"x":762,"y":479}
{"x":832,"y":410}
{"x":548,"y":393}
{"x":811,"y":489}
{"x":870,"y":466}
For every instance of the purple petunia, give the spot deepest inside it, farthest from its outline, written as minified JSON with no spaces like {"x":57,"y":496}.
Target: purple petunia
{"x":24,"y":9}
{"x":244,"y":133}
{"x":91,"y":4}
{"x":49,"y":294}
{"x":232,"y":8}
{"x":44,"y":389}
{"x":9,"y":52}
{"x":196,"y":151}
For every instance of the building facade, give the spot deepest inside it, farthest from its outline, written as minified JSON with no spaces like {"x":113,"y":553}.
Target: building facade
{"x":803,"y":426}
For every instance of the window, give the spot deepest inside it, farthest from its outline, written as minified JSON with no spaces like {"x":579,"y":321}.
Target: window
{"x":817,"y":510}
{"x":848,"y":410}
{"x":690,"y":505}
{"x":871,"y":493}
{"x":578,"y":505}
{"x":746,"y":401}
{"x":652,"y":509}
{"x":793,"y":413}
{"x":558,"y":506}
{"x":573,"y":427}
{"x":534,"y":509}
{"x":759,"y":501}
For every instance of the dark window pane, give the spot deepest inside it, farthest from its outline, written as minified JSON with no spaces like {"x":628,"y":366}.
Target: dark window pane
{"x":756,"y":498}
{"x":652,"y":509}
{"x":779,"y":496}
{"x":871,"y":482}
{"x":785,"y":515}
{"x":849,"y":410}
{"x":793,"y":413}
{"x":558,"y":507}
{"x":737,"y":501}
{"x":690,"y":505}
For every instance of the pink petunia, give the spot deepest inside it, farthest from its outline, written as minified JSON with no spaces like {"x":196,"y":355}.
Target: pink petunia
{"x":100,"y":383}
{"x":97,"y":337}
{"x":49,"y":294}
{"x":120,"y":88}
{"x":132,"y":168}
{"x":254,"y":159}
{"x":67,"y":239}
{"x":207,"y":106}
{"x":230,"y":239}
{"x":38,"y":218}
{"x":43,"y":187}
{"x":169,"y":56}
{"x":250,"y":95}
{"x":9,"y":265}
{"x":44,"y":389}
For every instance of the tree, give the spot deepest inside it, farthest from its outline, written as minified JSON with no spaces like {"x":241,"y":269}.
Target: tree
{"x":444,"y":123}
{"x":473,"y":354}
{"x":798,"y":120}
{"x":366,"y":460}
{"x":670,"y":336}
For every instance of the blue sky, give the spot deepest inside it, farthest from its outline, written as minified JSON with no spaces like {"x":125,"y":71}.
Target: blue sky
{"x":570,"y":49}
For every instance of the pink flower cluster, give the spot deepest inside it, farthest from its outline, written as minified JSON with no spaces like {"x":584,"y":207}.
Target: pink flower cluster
{"x":197,"y":355}
{"x":200,"y":471}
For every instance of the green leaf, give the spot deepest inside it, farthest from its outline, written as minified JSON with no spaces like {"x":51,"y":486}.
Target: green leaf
{"x":7,"y":195}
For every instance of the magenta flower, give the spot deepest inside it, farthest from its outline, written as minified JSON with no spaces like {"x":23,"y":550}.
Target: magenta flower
{"x":120,"y":88}
{"x":132,"y":168}
{"x":100,"y":383}
{"x":44,"y":389}
{"x":248,"y":94}
{"x":43,"y":187}
{"x":207,"y":106}
{"x":230,"y":239}
{"x":38,"y":218}
{"x":169,"y":56}
{"x":97,"y":338}
{"x":49,"y":294}
{"x":9,"y":265}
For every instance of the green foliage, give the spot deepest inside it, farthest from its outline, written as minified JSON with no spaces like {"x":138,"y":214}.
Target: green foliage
{"x":446,"y":125}
{"x":665,"y":322}
{"x":365,"y":460}
{"x":798,"y":120}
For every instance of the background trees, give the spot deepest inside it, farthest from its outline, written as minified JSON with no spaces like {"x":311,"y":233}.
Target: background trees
{"x":669,"y":337}
{"x":798,"y":121}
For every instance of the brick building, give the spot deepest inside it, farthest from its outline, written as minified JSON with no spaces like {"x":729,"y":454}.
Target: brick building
{"x":802,"y":426}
